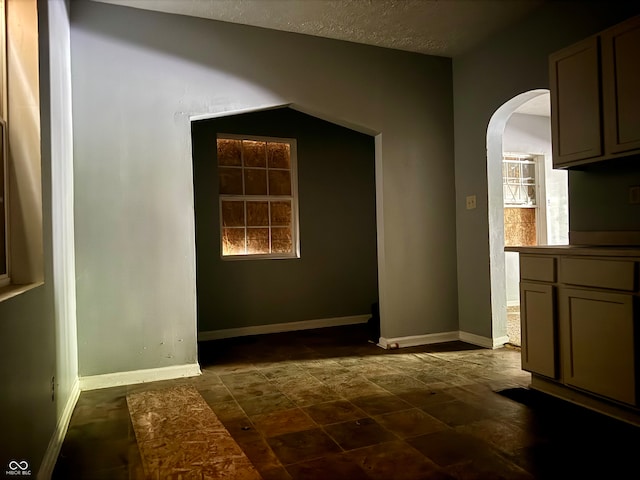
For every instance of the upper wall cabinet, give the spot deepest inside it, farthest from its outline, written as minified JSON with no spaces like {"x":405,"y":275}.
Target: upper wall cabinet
{"x":595,"y":97}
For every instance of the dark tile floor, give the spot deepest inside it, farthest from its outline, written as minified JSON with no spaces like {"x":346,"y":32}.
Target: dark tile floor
{"x":326,"y":404}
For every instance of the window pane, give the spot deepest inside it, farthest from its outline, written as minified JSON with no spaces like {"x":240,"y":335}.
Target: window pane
{"x":230,"y":180}
{"x":232,"y":214}
{"x":257,"y":240}
{"x":281,"y":240}
{"x":255,"y":181}
{"x":258,"y":214}
{"x":255,"y":153}
{"x":229,"y":152}
{"x":278,"y":155}
{"x":233,"y":241}
{"x":279,"y":182}
{"x":281,"y":213}
{"x":529,"y":171}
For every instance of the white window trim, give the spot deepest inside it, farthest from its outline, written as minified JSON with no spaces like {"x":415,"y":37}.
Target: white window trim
{"x":295,"y":231}
{"x":5,"y":278}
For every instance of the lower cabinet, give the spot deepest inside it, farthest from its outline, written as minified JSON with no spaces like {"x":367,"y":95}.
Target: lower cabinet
{"x":538,"y":329}
{"x":597,"y":335}
{"x":578,"y":324}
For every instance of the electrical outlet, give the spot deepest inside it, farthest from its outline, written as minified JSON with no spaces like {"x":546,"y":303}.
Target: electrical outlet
{"x":471,"y":202}
{"x":634,"y":195}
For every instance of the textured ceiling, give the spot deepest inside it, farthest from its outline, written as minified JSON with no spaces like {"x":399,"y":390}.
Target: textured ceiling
{"x":434,"y":27}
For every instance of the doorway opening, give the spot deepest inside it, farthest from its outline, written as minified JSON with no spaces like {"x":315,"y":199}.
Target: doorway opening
{"x":286,"y":224}
{"x":528,"y":200}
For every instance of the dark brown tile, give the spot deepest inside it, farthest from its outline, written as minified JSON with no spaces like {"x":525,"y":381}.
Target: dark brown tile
{"x":279,"y":473}
{"x":399,"y":384}
{"x":226,"y":411}
{"x":265,"y":404}
{"x":358,"y":433}
{"x":333,"y":412}
{"x":449,"y":447}
{"x":216,"y":394}
{"x":489,"y":466}
{"x":457,"y":412}
{"x":242,"y":430}
{"x":410,"y":423}
{"x":379,"y":404}
{"x":305,"y":396}
{"x":425,"y":397}
{"x":284,"y":421}
{"x":261,"y":455}
{"x":300,"y":446}
{"x":504,"y":436}
{"x":336,"y":467}
{"x":395,"y":460}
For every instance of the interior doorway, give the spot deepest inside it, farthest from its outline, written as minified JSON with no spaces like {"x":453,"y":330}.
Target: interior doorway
{"x":528,"y":199}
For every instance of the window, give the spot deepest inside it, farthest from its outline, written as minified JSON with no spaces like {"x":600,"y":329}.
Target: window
{"x":258,"y":197}
{"x":519,"y":180}
{"x":520,"y":190}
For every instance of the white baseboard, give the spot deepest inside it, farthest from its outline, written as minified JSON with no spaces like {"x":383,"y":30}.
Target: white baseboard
{"x":485,"y":342}
{"x":282,"y":327}
{"x":415,"y":340}
{"x":94,"y":382}
{"x":55,"y":443}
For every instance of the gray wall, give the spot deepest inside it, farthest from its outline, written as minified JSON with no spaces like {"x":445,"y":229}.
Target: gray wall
{"x":512,"y":62}
{"x":336,"y":274}
{"x":37,"y":328}
{"x":139,"y":76}
{"x":599,"y":196}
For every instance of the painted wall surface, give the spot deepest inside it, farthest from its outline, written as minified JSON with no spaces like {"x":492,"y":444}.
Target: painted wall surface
{"x":138,"y":76}
{"x":532,"y":134}
{"x":599,"y":196}
{"x":58,"y":137}
{"x":336,"y":274}
{"x":511,"y":62}
{"x":37,"y":328}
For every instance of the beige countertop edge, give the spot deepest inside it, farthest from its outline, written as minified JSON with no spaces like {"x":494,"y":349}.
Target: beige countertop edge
{"x":613,"y":250}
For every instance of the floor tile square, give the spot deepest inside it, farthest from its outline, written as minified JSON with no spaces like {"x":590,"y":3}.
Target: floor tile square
{"x":410,"y":423}
{"x":359,"y":433}
{"x":284,"y":421}
{"x":300,"y":446}
{"x":333,"y":412}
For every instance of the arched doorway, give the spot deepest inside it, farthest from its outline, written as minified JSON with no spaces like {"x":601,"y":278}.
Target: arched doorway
{"x":527,"y":199}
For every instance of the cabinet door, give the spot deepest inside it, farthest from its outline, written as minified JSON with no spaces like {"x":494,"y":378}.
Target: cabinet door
{"x":621,"y":86}
{"x":597,"y":335}
{"x":575,"y":102}
{"x":538,"y":329}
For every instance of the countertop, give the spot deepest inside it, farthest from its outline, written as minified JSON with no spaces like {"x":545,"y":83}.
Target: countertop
{"x":592,"y":250}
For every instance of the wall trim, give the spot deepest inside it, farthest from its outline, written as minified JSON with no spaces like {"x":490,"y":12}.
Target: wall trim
{"x":415,"y":340}
{"x":94,"y":382}
{"x":55,"y":443}
{"x":282,"y":327}
{"x":485,"y":342}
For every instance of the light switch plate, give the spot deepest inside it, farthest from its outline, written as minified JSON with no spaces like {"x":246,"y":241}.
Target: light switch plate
{"x":634,"y":195}
{"x":471,"y":202}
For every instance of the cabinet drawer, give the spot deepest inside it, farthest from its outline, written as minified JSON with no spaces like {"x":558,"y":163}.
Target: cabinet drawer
{"x":600,"y":273}
{"x":538,"y":268}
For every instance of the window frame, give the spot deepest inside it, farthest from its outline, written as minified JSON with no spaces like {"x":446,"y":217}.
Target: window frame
{"x":5,"y":278}
{"x":294,"y":198}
